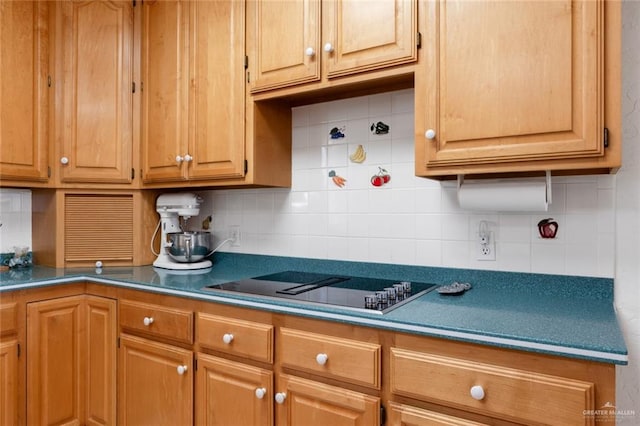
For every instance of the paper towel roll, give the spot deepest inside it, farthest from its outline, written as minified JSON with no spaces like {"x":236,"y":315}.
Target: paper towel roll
{"x":505,"y":195}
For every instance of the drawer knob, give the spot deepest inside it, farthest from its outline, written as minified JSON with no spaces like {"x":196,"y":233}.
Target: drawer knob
{"x":280,"y":397}
{"x":227,"y":338}
{"x":477,"y":392}
{"x":64,"y":160}
{"x":147,"y":321}
{"x":309,"y":51}
{"x":328,"y":47}
{"x":260,"y":393}
{"x":322,"y":359}
{"x":430,"y":134}
{"x":182,"y":369}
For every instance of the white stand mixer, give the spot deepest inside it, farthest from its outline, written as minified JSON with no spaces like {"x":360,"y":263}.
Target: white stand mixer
{"x":171,"y":208}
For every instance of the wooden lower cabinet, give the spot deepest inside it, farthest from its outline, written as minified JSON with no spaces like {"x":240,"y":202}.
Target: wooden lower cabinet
{"x":155,"y":383}
{"x":231,"y":393}
{"x":406,"y":415}
{"x":9,"y":373}
{"x":71,"y":361}
{"x":308,"y":402}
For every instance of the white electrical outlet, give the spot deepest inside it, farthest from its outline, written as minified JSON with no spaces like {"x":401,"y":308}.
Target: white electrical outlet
{"x":485,"y":245}
{"x":234,"y":235}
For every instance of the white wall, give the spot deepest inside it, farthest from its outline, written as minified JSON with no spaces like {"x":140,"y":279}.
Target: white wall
{"x":627,"y":265}
{"x":410,"y":220}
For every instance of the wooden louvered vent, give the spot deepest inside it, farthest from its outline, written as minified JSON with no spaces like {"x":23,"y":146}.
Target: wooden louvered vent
{"x":98,"y":227}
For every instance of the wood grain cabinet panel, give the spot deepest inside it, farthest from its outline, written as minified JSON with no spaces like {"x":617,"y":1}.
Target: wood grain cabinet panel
{"x":348,"y":360}
{"x":9,"y":377}
{"x":406,"y":415}
{"x":231,"y":393}
{"x":157,"y":320}
{"x":247,"y":339}
{"x":24,"y":91}
{"x":307,"y":402}
{"x":515,"y":86}
{"x":193,"y":104}
{"x":96,"y":127}
{"x":508,"y":393}
{"x":71,"y":363}
{"x":294,"y":43}
{"x":155,"y":383}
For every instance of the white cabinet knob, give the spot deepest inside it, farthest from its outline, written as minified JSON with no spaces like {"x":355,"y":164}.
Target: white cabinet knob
{"x":147,"y":321}
{"x":280,"y":397}
{"x":181,"y":369}
{"x":328,"y":47}
{"x":260,"y":393}
{"x":64,"y":160}
{"x":322,"y":359}
{"x":430,"y":134}
{"x":477,"y":392}
{"x":188,"y":158}
{"x":227,"y":338}
{"x":179,"y":159}
{"x":309,"y":51}
{"x":98,"y":264}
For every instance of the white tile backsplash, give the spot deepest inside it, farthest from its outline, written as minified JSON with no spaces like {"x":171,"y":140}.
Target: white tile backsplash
{"x":409,"y":220}
{"x":15,"y":217}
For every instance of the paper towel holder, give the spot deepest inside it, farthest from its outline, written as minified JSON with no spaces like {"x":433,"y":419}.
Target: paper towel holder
{"x":547,"y":176}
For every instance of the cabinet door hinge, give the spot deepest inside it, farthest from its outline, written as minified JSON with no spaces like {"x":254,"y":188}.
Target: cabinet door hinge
{"x":118,"y":342}
{"x":133,"y":87}
{"x":419,"y":40}
{"x":246,"y":166}
{"x":48,"y":171}
{"x":18,"y":350}
{"x":248,"y":77}
{"x":246,"y":62}
{"x":48,"y":81}
{"x":195,"y":364}
{"x":134,"y":3}
{"x":383,"y":415}
{"x":141,"y":86}
{"x":606,"y":138}
{"x":133,"y":173}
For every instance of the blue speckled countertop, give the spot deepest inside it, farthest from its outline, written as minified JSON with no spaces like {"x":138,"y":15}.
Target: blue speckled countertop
{"x":554,"y":314}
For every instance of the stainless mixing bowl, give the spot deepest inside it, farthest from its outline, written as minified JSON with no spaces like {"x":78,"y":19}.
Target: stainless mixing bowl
{"x":187,"y":247}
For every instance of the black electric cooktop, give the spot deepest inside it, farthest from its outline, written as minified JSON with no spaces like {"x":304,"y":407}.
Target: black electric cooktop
{"x":357,"y":293}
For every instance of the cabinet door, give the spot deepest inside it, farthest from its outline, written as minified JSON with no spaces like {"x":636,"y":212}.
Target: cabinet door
{"x":406,"y":415}
{"x":367,"y":35}
{"x":165,"y":90}
{"x":24,"y":95}
{"x":510,"y":82}
{"x":217,"y":92}
{"x":9,"y":373}
{"x":231,"y":393}
{"x":308,"y":402}
{"x":155,"y":383}
{"x":283,"y":43}
{"x":71,"y":360}
{"x":97,"y":52}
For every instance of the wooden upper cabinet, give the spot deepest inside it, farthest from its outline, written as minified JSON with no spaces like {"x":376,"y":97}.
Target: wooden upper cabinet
{"x":193,"y":90}
{"x":506,"y":85}
{"x":283,"y":43}
{"x":165,"y":91}
{"x":216,"y":114}
{"x":97,"y":91}
{"x":24,"y":95}
{"x":289,"y":43}
{"x":365,"y":35}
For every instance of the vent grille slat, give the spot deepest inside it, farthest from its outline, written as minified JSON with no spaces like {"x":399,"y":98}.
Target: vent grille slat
{"x":98,"y":227}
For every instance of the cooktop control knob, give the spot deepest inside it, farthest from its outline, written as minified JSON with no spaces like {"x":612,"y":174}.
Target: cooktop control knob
{"x":370,"y":301}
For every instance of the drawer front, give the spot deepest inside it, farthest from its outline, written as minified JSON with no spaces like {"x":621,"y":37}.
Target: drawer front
{"x":344,"y":359}
{"x":247,"y":339}
{"x":496,"y":391}
{"x":161,"y":321}
{"x":8,"y":318}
